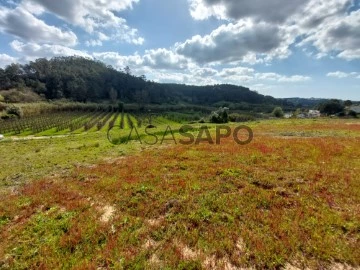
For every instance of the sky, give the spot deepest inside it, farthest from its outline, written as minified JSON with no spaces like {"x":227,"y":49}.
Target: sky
{"x":282,"y":48}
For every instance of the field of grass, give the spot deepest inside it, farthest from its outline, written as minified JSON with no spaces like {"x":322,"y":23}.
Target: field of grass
{"x":289,"y":199}
{"x":32,"y":156}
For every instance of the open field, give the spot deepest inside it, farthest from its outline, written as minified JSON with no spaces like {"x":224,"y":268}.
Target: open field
{"x":290,"y":199}
{"x":58,"y":149}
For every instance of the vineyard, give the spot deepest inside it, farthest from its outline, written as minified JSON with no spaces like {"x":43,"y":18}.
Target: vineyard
{"x":75,"y":122}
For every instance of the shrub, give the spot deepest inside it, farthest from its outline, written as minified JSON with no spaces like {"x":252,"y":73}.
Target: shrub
{"x":278,"y":112}
{"x":220,"y":116}
{"x":235,"y":117}
{"x":2,"y":99}
{"x":2,"y":106}
{"x":8,"y":116}
{"x":13,"y":110}
{"x":20,"y":96}
{"x":183,"y":117}
{"x":353,"y":114}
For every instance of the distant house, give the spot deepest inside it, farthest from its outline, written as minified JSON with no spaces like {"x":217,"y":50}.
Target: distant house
{"x":288,"y":115}
{"x":355,"y":108}
{"x":301,"y":115}
{"x":314,"y":114}
{"x":1,"y":137}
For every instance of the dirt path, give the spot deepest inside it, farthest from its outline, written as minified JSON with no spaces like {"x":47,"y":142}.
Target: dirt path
{"x":32,"y":137}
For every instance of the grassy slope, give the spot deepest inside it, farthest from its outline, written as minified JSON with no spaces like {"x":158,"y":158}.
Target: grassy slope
{"x":290,"y":197}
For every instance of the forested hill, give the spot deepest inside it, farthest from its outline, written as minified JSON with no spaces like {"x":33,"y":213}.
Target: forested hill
{"x":81,"y":79}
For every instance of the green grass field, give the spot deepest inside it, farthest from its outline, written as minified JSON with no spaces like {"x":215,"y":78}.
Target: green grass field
{"x":290,"y":199}
{"x":36,"y":155}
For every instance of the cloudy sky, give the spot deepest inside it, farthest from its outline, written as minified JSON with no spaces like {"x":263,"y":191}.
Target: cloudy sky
{"x":297,"y":48}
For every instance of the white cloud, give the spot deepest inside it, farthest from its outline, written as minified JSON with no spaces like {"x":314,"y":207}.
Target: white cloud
{"x":260,"y":86}
{"x":102,"y":36}
{"x":161,"y":65}
{"x":244,"y":41}
{"x":237,"y":74}
{"x":342,"y":75}
{"x":328,"y":25}
{"x":340,"y":35}
{"x":350,"y":54}
{"x":165,"y":59}
{"x":308,"y":13}
{"x":244,"y":74}
{"x":87,"y":13}
{"x":204,"y":72}
{"x":294,"y":78}
{"x":7,"y":60}
{"x":94,"y":15}
{"x":21,"y":23}
{"x":93,"y":43}
{"x":199,"y":10}
{"x":234,"y":9}
{"x":281,"y":78}
{"x":182,"y":78}
{"x":166,"y":66}
{"x":331,"y":27}
{"x":119,"y":61}
{"x":126,"y":34}
{"x":161,"y":59}
{"x":31,"y":51}
{"x":338,"y":74}
{"x":316,"y":12}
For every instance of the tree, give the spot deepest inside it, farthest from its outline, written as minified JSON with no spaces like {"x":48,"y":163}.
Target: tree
{"x":352,"y":114}
{"x":121,"y":106}
{"x":141,"y":98}
{"x":41,"y":68}
{"x":127,"y":70}
{"x":278,"y":112}
{"x":220,"y":116}
{"x":77,"y":89}
{"x":143,"y":77}
{"x":296,"y":113}
{"x":113,"y":95}
{"x":83,"y":79}
{"x":13,"y":71}
{"x":333,"y":106}
{"x":348,"y":103}
{"x":13,"y":76}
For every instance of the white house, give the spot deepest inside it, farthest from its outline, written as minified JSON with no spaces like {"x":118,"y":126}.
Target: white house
{"x":1,"y":137}
{"x":314,"y":114}
{"x":301,"y":116}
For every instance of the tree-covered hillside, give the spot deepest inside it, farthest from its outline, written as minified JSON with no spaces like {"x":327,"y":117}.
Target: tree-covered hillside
{"x":81,"y":79}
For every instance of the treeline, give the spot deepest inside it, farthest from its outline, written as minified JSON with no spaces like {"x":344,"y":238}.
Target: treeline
{"x":73,"y":78}
{"x":85,"y":80}
{"x":212,"y":94}
{"x":308,"y":103}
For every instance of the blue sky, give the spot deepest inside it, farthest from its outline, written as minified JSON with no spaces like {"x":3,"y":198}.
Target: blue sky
{"x":298,"y":48}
